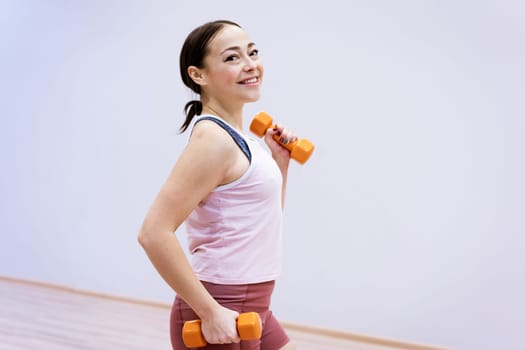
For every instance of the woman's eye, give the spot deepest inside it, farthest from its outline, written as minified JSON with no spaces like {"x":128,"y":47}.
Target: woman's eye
{"x":230,"y":58}
{"x":254,"y":52}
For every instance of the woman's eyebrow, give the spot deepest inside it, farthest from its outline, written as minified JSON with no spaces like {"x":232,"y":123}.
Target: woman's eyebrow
{"x":237,"y":48}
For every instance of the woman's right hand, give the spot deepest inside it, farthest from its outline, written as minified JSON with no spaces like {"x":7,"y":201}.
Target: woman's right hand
{"x":221,"y":326}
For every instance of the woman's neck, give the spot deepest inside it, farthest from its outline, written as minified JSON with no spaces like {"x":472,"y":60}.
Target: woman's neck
{"x":232,"y":116}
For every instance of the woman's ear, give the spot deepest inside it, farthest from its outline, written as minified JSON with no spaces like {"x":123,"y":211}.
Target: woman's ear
{"x":196,"y":75}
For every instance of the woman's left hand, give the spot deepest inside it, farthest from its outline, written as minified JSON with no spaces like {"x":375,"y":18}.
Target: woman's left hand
{"x":279,"y":151}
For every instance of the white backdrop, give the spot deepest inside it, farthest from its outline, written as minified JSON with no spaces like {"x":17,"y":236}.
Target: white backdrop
{"x":407,"y":222}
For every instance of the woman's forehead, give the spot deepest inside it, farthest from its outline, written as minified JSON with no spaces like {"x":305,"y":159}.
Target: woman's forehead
{"x":229,"y":37}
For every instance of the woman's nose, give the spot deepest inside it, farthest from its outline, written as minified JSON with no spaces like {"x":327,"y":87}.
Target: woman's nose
{"x":249,"y":64}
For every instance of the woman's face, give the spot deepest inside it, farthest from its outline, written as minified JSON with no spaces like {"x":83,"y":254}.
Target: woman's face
{"x":232,"y":69}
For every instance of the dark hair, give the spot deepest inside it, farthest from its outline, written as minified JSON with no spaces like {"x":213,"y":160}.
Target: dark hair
{"x":193,"y":52}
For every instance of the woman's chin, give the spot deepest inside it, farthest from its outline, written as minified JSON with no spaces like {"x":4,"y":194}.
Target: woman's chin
{"x":252,"y":97}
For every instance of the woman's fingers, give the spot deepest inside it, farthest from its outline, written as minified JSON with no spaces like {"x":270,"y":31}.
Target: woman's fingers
{"x":285,"y":135}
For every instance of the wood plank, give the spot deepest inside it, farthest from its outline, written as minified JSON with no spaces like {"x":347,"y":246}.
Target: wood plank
{"x":39,"y":316}
{"x":36,"y":317}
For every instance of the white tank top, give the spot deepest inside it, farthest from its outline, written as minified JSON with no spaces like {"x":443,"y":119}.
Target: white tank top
{"x":234,"y":234}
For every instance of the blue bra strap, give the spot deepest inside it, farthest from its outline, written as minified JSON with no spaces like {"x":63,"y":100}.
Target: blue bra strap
{"x":239,"y":140}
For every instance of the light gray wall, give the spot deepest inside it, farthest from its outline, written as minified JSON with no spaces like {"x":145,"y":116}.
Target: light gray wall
{"x":407,"y":222}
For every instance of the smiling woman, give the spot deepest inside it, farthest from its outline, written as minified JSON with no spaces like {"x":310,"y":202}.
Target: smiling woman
{"x":229,"y":190}
{"x":408,"y":222}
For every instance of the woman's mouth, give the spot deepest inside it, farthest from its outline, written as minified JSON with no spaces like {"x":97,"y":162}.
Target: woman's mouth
{"x":250,"y":81}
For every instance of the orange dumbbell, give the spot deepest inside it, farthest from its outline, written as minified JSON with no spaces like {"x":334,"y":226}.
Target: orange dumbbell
{"x":300,"y":149}
{"x":249,"y":327}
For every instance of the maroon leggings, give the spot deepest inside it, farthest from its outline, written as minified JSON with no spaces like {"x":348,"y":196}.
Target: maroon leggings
{"x":241,"y":298}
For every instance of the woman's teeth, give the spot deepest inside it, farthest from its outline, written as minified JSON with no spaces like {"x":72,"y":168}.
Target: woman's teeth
{"x":250,"y":81}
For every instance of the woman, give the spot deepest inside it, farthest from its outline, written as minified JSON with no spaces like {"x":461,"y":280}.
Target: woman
{"x":229,"y":190}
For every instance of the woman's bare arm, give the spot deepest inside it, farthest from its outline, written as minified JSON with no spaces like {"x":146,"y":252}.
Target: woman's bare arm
{"x":280,"y":154}
{"x":203,"y":165}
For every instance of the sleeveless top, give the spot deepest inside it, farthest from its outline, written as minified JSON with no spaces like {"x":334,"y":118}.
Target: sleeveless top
{"x":234,"y":234}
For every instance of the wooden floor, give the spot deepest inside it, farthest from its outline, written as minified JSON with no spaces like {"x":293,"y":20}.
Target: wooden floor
{"x":34,"y":316}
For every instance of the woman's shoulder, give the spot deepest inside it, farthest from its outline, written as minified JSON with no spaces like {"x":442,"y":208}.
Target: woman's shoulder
{"x":207,"y":128}
{"x":210,"y":137}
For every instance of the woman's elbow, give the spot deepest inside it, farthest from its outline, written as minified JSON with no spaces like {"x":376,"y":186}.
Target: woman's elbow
{"x":142,"y":238}
{"x":145,"y":237}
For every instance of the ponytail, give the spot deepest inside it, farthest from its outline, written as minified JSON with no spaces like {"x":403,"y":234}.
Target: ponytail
{"x":192,"y":108}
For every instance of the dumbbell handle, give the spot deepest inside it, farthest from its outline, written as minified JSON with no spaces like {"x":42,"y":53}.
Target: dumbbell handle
{"x":249,"y":327}
{"x":300,"y":149}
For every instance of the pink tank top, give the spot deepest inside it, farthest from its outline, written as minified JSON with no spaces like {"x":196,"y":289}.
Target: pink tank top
{"x":234,"y":234}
